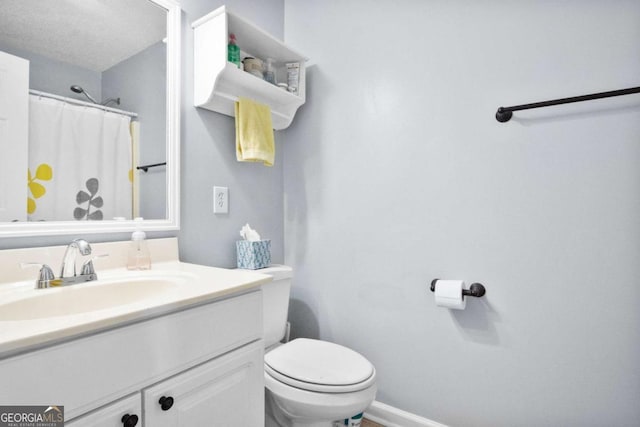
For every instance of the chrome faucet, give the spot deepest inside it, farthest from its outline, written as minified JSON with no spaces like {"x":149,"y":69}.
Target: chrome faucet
{"x":68,"y":275}
{"x":69,"y":260}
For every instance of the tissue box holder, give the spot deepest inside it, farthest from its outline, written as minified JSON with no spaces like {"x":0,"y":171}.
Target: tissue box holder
{"x":253,"y":255}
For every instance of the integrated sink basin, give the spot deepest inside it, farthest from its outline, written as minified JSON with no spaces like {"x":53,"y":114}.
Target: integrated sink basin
{"x":90,"y":296}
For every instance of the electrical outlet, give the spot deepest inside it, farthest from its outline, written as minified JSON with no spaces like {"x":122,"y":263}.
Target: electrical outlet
{"x":220,"y":200}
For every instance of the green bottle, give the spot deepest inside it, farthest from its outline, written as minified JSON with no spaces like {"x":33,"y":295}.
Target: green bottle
{"x":233,"y":51}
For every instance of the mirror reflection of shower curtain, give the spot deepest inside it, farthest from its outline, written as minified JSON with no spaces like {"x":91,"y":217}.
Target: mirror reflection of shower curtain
{"x":135,"y":174}
{"x":79,"y":162}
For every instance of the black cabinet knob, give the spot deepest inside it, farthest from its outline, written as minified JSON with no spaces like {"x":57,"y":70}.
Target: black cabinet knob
{"x":166,"y":402}
{"x":129,"y":420}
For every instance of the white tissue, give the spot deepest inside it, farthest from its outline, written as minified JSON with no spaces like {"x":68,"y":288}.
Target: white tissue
{"x":249,"y":233}
{"x":448,"y":293}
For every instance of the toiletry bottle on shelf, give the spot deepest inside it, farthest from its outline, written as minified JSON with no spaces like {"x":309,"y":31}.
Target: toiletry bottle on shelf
{"x":293,"y":76}
{"x":138,"y":257}
{"x":270,"y":72}
{"x":233,"y":51}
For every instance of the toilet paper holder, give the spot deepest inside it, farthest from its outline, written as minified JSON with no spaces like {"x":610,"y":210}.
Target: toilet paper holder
{"x":475,"y":290}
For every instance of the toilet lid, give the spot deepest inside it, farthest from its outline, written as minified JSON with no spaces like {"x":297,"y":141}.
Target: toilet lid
{"x":319,"y":366}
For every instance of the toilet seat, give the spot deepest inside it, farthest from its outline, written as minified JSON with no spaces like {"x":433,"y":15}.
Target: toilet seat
{"x":319,"y":366}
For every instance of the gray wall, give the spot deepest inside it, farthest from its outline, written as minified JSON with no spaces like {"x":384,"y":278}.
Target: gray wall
{"x":396,"y":173}
{"x":49,"y":75}
{"x":208,"y":159}
{"x":140,"y":83}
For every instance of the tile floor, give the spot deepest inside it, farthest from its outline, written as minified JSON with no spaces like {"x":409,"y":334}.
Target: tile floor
{"x":368,"y":423}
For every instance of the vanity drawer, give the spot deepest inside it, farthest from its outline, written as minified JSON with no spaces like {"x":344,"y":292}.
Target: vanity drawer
{"x":90,"y":372}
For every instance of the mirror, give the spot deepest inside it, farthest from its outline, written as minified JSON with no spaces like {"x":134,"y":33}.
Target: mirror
{"x":116,"y":59}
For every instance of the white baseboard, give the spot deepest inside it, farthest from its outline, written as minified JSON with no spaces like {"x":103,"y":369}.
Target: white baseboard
{"x":389,"y":416}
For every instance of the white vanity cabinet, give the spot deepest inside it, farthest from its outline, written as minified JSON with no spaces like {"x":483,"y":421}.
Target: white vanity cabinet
{"x":207,"y":358}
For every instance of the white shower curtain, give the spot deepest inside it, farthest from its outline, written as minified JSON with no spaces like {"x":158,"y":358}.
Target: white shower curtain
{"x":79,"y":162}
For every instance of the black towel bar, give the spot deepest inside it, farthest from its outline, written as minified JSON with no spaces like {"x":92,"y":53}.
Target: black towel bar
{"x":145,"y":168}
{"x":504,"y":114}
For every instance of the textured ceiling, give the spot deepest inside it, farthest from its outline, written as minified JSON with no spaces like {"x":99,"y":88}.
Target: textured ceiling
{"x":93,"y":34}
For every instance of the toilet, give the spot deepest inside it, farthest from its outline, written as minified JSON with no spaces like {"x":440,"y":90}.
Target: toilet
{"x":308,"y":383}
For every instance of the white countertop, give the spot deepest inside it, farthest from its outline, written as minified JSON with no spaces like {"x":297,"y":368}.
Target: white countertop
{"x":197,"y":285}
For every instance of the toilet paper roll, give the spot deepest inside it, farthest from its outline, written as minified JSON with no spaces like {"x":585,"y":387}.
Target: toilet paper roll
{"x":448,"y":293}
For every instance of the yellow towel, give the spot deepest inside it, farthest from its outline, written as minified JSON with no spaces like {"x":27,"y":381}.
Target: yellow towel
{"x":254,"y":132}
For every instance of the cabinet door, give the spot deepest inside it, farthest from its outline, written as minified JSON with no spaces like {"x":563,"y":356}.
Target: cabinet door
{"x":123,"y":413}
{"x":225,"y":392}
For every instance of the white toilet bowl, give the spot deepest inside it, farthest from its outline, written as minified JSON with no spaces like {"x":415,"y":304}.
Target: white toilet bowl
{"x":309,"y":383}
{"x":312,"y":383}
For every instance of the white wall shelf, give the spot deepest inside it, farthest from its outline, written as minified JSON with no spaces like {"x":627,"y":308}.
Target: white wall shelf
{"x":218,"y":83}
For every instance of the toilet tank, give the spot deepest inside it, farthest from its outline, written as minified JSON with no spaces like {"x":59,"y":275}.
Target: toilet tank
{"x":275,"y":302}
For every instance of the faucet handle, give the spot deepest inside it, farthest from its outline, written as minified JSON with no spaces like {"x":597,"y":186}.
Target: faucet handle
{"x":88,"y":268}
{"x":46,"y":274}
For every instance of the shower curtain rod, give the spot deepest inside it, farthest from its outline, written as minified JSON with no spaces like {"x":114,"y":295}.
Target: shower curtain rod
{"x":504,"y":113}
{"x":83,"y":103}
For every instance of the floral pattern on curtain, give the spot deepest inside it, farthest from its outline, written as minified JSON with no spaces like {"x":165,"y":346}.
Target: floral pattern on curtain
{"x":79,"y":162}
